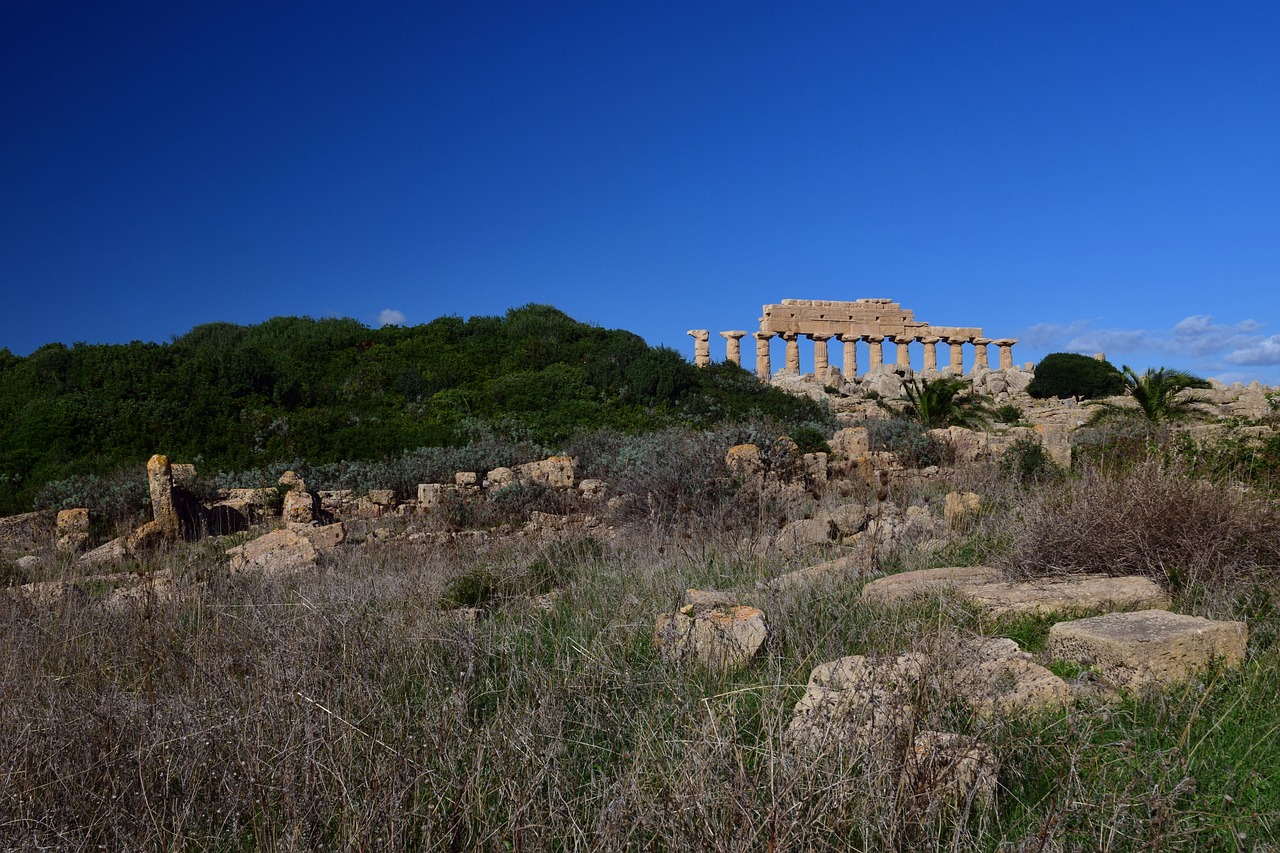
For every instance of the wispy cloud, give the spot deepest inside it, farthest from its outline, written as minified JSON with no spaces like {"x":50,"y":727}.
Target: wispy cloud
{"x":391,"y":317}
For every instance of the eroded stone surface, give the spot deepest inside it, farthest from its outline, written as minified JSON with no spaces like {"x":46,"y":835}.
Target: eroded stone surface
{"x":1148,"y":646}
{"x":948,"y":770}
{"x":831,"y":571}
{"x":1076,"y":592}
{"x":160,"y":484}
{"x":717,"y":637}
{"x":857,"y":702}
{"x":279,"y":550}
{"x":960,"y":507}
{"x":73,"y":529}
{"x":926,"y":582}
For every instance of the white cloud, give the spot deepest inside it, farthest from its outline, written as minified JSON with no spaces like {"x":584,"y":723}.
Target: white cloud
{"x":1264,"y":351}
{"x":1110,"y":341}
{"x":1050,"y":335}
{"x":391,"y":317}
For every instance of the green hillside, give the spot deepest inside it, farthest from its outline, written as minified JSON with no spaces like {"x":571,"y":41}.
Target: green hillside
{"x":238,"y":397}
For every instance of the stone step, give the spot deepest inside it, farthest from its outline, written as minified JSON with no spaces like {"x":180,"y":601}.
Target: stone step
{"x":1147,"y":647}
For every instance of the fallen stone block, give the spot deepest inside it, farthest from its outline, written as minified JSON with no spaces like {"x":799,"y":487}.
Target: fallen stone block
{"x":858,"y":703}
{"x":277,"y":551}
{"x":945,"y":770}
{"x":720,"y":638}
{"x":832,"y":571}
{"x":1077,"y":592}
{"x":960,"y":507}
{"x":926,"y":582}
{"x":1146,"y":647}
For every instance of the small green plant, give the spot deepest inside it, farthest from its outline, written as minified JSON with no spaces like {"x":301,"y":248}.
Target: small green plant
{"x":473,"y":588}
{"x":810,"y":440}
{"x":1157,"y":396}
{"x":1008,"y":413}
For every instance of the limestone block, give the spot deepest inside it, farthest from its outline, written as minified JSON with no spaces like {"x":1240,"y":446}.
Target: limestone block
{"x":466,"y":480}
{"x":291,"y":481}
{"x":718,"y":638}
{"x":851,"y":443}
{"x":960,"y":507}
{"x":1010,"y":685}
{"x":832,"y":571}
{"x":592,"y":489}
{"x":431,"y":495}
{"x":968,"y":445}
{"x":857,"y":702}
{"x":744,"y":462}
{"x":814,"y":466}
{"x":554,"y":472}
{"x":945,"y":770}
{"x":277,"y":551}
{"x":706,"y":599}
{"x":183,"y":474}
{"x":160,"y":484}
{"x":383,"y":497}
{"x":806,"y":533}
{"x":115,"y":551}
{"x":499,"y":478}
{"x":298,"y":507}
{"x":323,"y":537}
{"x":28,"y":530}
{"x":27,"y":562}
{"x":1056,"y":439}
{"x":1073,"y":592}
{"x":1148,"y":646}
{"x":230,"y":516}
{"x":334,"y":500}
{"x":72,"y":529}
{"x":926,"y":582}
{"x":258,"y":498}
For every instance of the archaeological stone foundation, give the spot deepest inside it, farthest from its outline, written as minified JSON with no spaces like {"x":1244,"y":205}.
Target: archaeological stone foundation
{"x":866,"y":324}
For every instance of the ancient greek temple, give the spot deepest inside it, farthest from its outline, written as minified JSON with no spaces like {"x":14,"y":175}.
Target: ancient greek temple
{"x":868,"y":322}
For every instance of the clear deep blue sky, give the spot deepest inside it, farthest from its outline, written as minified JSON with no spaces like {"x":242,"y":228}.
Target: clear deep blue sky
{"x":1094,"y":176}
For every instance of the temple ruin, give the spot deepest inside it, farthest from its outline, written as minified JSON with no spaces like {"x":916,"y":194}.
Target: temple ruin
{"x":864,"y":321}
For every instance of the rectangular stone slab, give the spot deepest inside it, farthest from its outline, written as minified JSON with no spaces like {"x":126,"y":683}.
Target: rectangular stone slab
{"x":1148,"y":646}
{"x":1078,"y":592}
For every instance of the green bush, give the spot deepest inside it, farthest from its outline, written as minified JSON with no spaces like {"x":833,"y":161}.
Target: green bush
{"x":810,"y":440}
{"x":473,"y":588}
{"x":1068,"y":374}
{"x":1009,"y":414}
{"x":1028,"y":462}
{"x":907,"y":438}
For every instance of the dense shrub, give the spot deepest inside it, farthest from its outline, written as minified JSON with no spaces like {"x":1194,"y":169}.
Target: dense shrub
{"x":1152,"y":518}
{"x":1068,"y":374}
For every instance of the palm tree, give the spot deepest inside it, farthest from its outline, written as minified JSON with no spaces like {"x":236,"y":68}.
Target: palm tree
{"x":943,"y":402}
{"x":1158,"y":395}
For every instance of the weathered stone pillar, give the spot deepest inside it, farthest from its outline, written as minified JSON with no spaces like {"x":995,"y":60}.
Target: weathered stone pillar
{"x":1006,"y":352}
{"x":903,"y":358}
{"x":819,"y":354}
{"x":733,"y":346}
{"x":793,"y":352}
{"x":930,"y":351}
{"x":850,"y":356}
{"x":764,"y":372}
{"x":160,"y":484}
{"x":980,"y":361}
{"x":957,"y":355}
{"x":876,"y":343}
{"x":701,"y":346}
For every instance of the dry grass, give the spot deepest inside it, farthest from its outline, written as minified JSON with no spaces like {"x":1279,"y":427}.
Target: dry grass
{"x":340,"y":709}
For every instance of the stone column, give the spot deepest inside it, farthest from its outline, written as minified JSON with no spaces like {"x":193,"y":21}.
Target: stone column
{"x":701,"y":346}
{"x":903,"y":358}
{"x":980,"y":361}
{"x":733,"y":346}
{"x":763,"y":370}
{"x":793,"y":352}
{"x":930,"y":351}
{"x":819,"y":354}
{"x":957,"y":355}
{"x":876,"y":342}
{"x":1006,"y":352}
{"x":160,"y":484}
{"x":850,"y":356}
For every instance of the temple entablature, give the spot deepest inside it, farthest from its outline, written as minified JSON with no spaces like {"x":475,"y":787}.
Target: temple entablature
{"x":871,"y":324}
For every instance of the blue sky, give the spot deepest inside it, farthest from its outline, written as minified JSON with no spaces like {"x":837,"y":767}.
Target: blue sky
{"x":1087,"y":176}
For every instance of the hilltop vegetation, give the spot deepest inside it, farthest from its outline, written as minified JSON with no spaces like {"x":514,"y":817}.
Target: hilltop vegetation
{"x":323,"y":390}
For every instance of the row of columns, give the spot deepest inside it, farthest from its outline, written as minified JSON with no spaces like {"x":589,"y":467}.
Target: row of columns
{"x":733,"y":351}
